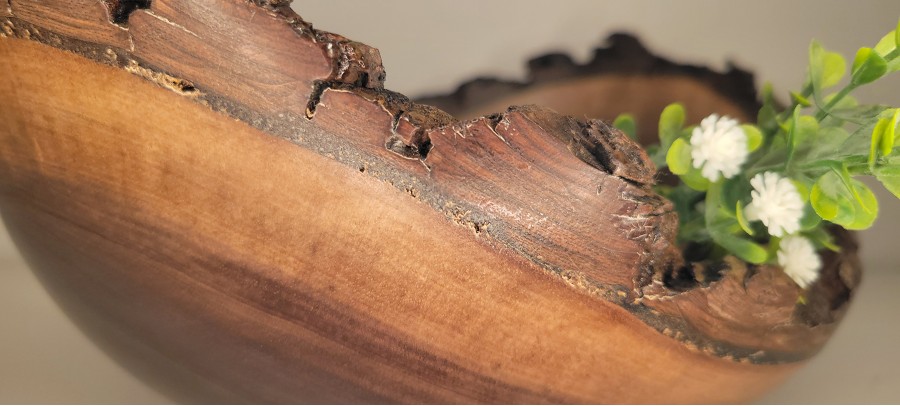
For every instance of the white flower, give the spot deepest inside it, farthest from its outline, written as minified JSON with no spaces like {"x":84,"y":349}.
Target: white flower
{"x":719,"y":147}
{"x":799,"y":260}
{"x":776,"y":203}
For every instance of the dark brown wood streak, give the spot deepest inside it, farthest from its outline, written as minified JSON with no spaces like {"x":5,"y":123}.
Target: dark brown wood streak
{"x":220,"y":184}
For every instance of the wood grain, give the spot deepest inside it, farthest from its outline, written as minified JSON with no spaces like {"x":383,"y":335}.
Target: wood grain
{"x":238,"y":194}
{"x":712,"y":310}
{"x":709,"y":304}
{"x":474,"y":173}
{"x":184,"y":39}
{"x":89,"y":20}
{"x":251,"y":283}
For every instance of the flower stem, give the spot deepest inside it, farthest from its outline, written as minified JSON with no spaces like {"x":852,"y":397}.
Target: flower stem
{"x":825,"y":111}
{"x":806,"y":92}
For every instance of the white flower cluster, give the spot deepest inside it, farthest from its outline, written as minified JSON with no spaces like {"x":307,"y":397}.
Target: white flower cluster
{"x":718,"y":147}
{"x":776,"y":202}
{"x":798,"y":257}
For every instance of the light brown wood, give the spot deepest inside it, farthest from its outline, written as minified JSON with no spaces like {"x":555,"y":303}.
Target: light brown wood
{"x":259,"y":210}
{"x":85,"y":19}
{"x":293,"y":294}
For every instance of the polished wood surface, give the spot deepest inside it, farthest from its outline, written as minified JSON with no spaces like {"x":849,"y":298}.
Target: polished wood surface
{"x":226,"y":261}
{"x":279,"y":227}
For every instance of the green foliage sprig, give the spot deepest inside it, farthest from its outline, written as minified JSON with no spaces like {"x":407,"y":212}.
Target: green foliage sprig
{"x":765,"y":192}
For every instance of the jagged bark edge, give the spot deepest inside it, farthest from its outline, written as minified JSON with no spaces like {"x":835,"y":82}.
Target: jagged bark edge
{"x":350,"y":65}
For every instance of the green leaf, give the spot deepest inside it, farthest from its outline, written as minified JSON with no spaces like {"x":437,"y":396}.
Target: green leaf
{"x":767,"y":118}
{"x":856,"y":114}
{"x":805,"y":137}
{"x":713,"y":202}
{"x":831,"y":200}
{"x":800,"y":100}
{"x":897,"y":35}
{"x":890,"y":178}
{"x":846,"y":102}
{"x":869,"y":204}
{"x":843,"y":201}
{"x":833,"y":70}
{"x":843,"y":109}
{"x":823,"y":238}
{"x":828,"y":144}
{"x":695,"y":180}
{"x":754,"y":137}
{"x":792,"y":138}
{"x":625,"y":122}
{"x":679,"y":157}
{"x":739,"y":213}
{"x":816,"y":67}
{"x":867,"y":67}
{"x":877,"y":135}
{"x":826,"y":68}
{"x":810,"y":219}
{"x":806,"y":129}
{"x":742,"y":248}
{"x":887,"y":43}
{"x":893,"y":159}
{"x":718,"y":228}
{"x":835,"y":67}
{"x":772,"y":247}
{"x":671,"y":120}
{"x":802,"y":190}
{"x":734,"y":190}
{"x":854,"y":144}
{"x":888,"y":135}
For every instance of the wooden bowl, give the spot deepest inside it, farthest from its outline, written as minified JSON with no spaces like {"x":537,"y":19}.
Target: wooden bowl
{"x":231,"y":204}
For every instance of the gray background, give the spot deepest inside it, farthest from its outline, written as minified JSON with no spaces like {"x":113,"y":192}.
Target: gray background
{"x":432,"y":46}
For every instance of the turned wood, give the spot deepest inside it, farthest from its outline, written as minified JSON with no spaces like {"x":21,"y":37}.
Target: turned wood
{"x":234,"y":191}
{"x":594,"y":89}
{"x":622,"y":77}
{"x":84,"y":19}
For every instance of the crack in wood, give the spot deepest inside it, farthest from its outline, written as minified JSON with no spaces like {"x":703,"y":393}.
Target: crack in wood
{"x":120,"y":10}
{"x":173,"y":24}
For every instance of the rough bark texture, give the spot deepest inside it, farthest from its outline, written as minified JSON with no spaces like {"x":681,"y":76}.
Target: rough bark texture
{"x":338,"y":242}
{"x":730,"y":302}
